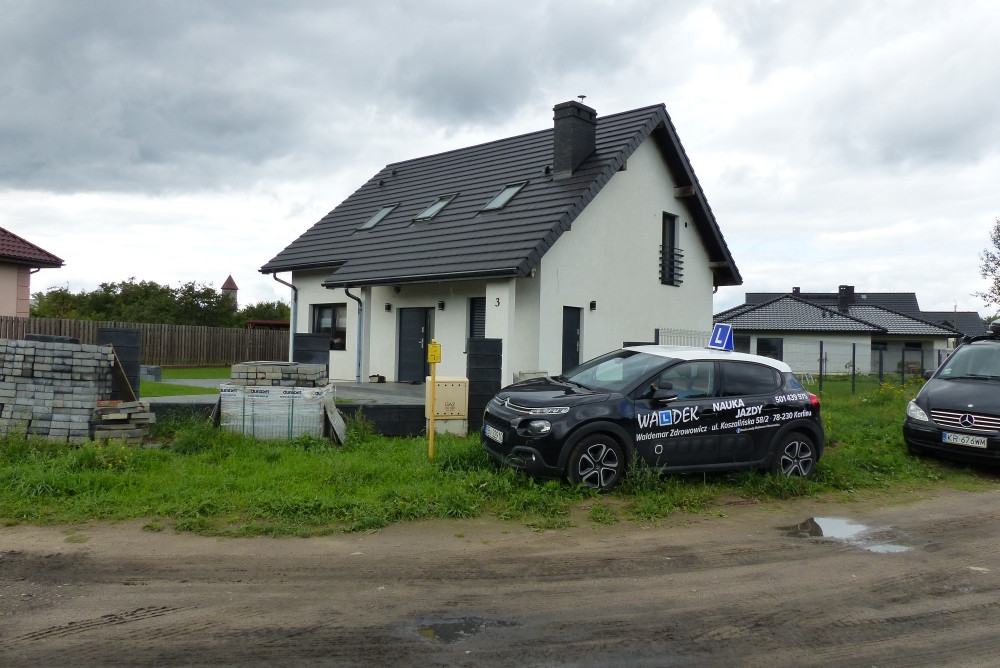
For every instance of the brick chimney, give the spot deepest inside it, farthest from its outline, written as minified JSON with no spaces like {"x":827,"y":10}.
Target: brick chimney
{"x":574,"y":137}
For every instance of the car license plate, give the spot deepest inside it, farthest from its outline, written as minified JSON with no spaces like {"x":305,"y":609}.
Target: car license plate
{"x":964,"y":439}
{"x":497,"y":435}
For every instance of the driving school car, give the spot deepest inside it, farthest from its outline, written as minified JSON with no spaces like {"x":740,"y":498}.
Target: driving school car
{"x":667,"y":407}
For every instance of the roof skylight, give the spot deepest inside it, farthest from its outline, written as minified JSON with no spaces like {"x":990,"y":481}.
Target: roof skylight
{"x":504,"y":196}
{"x":435,"y":208}
{"x":377,"y":218}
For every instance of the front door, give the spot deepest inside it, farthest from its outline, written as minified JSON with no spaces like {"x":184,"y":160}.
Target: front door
{"x":413,"y":339}
{"x":571,"y":337}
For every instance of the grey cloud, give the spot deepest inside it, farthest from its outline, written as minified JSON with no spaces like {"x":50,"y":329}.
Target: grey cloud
{"x":892,"y":83}
{"x":117,"y":95}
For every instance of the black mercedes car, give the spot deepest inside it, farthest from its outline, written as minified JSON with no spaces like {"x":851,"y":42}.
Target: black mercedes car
{"x":956,"y":415}
{"x":667,"y":407}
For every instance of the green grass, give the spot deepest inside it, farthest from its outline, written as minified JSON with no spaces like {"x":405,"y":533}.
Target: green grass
{"x":149,"y":388}
{"x":216,"y":483}
{"x":174,"y":373}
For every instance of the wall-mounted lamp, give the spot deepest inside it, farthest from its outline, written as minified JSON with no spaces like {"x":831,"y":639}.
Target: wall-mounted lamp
{"x":593,"y":306}
{"x":388,"y":307}
{"x":440,"y":306}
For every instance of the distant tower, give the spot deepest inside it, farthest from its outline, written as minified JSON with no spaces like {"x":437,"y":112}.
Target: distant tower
{"x":229,"y":288}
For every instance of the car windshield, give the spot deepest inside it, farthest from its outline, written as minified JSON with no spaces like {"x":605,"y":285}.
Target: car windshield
{"x":614,"y":371}
{"x":976,"y":360}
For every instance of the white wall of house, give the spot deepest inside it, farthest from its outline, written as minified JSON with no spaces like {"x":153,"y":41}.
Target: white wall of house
{"x":931,"y":352}
{"x":343,"y":363}
{"x":612,"y":256}
{"x":380,"y":328}
{"x":840,"y":351}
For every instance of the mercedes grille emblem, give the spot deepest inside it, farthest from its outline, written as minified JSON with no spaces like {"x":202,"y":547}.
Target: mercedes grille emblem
{"x":967,"y":420}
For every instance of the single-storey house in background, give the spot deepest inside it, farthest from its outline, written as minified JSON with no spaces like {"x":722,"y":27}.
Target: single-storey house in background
{"x":19,"y":259}
{"x":562,"y":243}
{"x":872,"y":332}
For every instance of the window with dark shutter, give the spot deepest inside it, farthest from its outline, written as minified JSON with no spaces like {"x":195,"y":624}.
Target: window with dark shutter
{"x":671,"y":257}
{"x":477,"y":318}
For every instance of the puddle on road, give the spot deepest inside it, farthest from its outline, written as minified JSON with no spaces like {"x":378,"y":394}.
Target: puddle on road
{"x":459,"y":628}
{"x":844,"y":531}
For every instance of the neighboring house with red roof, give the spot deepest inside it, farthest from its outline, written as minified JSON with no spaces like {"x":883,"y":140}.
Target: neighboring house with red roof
{"x":19,"y":259}
{"x":562,"y":243}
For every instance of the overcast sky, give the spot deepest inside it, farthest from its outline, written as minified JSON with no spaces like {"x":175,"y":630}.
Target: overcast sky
{"x":837,"y":141}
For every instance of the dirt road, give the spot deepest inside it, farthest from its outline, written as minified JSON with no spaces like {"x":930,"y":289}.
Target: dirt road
{"x":918,"y":587}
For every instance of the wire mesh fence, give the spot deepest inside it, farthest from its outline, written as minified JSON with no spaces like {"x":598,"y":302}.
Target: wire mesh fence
{"x":862,"y":364}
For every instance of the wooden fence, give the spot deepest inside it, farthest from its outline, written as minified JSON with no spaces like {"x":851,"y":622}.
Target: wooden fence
{"x":166,"y":345}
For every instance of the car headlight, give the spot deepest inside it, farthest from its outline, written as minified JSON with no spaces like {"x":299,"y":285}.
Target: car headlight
{"x":916,"y":412}
{"x":539,"y":427}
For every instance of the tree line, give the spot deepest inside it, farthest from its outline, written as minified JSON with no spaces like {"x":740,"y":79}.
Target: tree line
{"x":149,"y":302}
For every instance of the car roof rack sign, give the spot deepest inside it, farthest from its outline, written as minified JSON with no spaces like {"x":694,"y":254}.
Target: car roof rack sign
{"x":722,"y":337}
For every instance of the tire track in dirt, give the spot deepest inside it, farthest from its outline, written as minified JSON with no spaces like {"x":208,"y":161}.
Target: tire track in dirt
{"x":88,"y":625}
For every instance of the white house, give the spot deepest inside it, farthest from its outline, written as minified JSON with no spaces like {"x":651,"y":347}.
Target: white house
{"x":872,"y":332}
{"x":563,"y":243}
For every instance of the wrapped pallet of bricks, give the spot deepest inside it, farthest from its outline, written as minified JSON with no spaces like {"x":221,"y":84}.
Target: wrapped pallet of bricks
{"x":274,"y":412}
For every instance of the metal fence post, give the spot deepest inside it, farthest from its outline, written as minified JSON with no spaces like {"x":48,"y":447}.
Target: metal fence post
{"x":854,"y":366}
{"x":820,"y":366}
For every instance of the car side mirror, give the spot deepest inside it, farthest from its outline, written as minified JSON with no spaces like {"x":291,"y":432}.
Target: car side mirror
{"x":928,"y":374}
{"x":664,"y":396}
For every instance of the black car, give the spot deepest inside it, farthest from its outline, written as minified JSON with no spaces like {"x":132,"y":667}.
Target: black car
{"x":956,"y":414}
{"x":668,"y":407}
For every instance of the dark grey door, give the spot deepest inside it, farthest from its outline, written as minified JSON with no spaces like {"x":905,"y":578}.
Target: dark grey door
{"x":413,"y":340}
{"x":571,"y":337}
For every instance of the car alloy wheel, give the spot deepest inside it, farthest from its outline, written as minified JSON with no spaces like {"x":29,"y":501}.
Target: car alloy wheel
{"x":597,"y":462}
{"x":796,"y":456}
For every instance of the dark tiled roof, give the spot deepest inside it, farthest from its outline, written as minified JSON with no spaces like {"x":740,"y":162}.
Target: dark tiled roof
{"x":899,"y":323}
{"x":902,"y":302}
{"x":789,"y":314}
{"x":15,"y":250}
{"x":460,"y":242}
{"x":967,"y":322}
{"x":793,"y":314}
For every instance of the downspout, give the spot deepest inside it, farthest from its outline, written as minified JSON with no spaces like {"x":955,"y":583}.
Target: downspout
{"x":295,"y":304}
{"x":361,"y":308}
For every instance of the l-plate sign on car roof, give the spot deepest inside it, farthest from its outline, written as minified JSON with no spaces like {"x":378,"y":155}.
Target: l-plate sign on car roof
{"x":722,"y":337}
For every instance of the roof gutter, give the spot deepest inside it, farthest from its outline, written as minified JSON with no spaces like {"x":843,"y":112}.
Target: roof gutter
{"x":295,"y":304}
{"x":512,"y":272}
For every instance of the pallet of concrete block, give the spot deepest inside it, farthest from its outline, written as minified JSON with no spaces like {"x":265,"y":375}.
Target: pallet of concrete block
{"x":278,"y":374}
{"x":127,"y":420}
{"x":275,"y":412}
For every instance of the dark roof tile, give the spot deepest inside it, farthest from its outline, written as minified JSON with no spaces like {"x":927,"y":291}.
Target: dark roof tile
{"x":462,"y":242}
{"x":787,"y":313}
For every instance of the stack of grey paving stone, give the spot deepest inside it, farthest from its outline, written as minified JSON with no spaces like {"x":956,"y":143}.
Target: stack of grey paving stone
{"x":277,"y":400}
{"x":126,"y":420}
{"x":51,"y":388}
{"x":278,"y":374}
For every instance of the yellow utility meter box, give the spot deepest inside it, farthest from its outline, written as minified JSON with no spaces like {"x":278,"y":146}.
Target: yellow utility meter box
{"x":433,"y":353}
{"x":451,"y":398}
